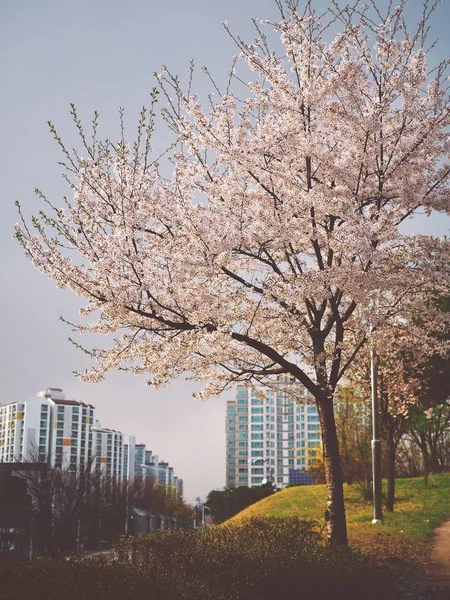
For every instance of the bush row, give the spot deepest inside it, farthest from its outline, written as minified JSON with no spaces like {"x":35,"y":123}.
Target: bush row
{"x":262,"y":559}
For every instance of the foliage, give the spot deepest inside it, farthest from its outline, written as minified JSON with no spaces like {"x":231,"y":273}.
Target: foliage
{"x":262,"y":559}
{"x":316,"y":464}
{"x":353,"y":424}
{"x":61,"y":509}
{"x":430,"y":417}
{"x":223,"y":504}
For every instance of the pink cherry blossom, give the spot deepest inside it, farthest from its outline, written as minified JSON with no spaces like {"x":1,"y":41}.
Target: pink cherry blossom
{"x":274,"y":249}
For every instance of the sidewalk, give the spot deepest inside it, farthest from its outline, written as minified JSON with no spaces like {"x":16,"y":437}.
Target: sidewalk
{"x":109,"y":552}
{"x":440,"y":557}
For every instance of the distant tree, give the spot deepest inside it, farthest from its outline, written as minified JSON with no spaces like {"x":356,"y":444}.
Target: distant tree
{"x":146,"y":493}
{"x":430,"y":417}
{"x":430,"y":431}
{"x":397,"y":352}
{"x":277,"y":234}
{"x":354,"y":433}
{"x":224,"y":504}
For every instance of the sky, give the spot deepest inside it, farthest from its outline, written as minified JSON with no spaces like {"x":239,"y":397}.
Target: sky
{"x":101,"y":56}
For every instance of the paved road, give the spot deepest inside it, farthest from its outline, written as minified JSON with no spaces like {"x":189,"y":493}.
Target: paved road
{"x":109,"y":553}
{"x":440,"y":556}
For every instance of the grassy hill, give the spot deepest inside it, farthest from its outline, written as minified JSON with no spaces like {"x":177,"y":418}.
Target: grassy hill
{"x":418,"y":511}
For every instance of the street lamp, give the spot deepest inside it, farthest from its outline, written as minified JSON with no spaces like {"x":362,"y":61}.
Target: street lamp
{"x":376,"y":445}
{"x":264,"y":461}
{"x":154,"y":467}
{"x":202,"y":506}
{"x":203,"y":513}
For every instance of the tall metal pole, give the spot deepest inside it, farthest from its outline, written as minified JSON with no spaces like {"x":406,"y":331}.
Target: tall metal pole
{"x":126,"y":508}
{"x":30,"y":554}
{"x":376,"y":447}
{"x":100,"y":524}
{"x":79,"y":535}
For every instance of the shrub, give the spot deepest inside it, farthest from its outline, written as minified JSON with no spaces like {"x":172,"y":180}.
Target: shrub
{"x":260,"y":560}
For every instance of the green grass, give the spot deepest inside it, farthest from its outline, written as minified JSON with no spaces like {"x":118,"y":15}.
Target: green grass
{"x":418,"y":511}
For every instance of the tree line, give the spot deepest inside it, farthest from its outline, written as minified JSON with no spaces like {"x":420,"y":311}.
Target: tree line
{"x":75,"y":509}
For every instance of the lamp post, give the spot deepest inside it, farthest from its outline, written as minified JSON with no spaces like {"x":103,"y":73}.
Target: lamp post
{"x":203,"y":513}
{"x":264,"y":461}
{"x":376,"y":446}
{"x":155,"y":468}
{"x":202,"y":507}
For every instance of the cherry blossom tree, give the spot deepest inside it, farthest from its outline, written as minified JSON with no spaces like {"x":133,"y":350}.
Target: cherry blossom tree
{"x":276,"y":236}
{"x":410,"y":361}
{"x":399,"y":352}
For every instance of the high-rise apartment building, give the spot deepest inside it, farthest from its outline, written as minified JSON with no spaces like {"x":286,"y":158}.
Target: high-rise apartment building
{"x":114,"y":453}
{"x":47,"y":428}
{"x":66,"y":434}
{"x":149,"y":466}
{"x":270,"y":434}
{"x":72,"y":431}
{"x":26,"y":429}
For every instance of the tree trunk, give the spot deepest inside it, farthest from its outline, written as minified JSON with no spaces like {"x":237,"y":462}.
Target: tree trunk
{"x":390,"y":451}
{"x":435,"y":466}
{"x":335,"y":509}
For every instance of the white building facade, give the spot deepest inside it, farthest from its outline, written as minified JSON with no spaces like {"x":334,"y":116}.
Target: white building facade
{"x":66,"y":434}
{"x":149,"y":466}
{"x":114,"y":453}
{"x":271,"y":434}
{"x":26,"y":430}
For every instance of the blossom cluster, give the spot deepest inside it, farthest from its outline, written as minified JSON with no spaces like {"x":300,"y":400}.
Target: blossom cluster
{"x":274,"y":248}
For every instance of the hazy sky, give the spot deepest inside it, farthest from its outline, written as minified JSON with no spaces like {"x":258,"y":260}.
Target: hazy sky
{"x":101,"y":54}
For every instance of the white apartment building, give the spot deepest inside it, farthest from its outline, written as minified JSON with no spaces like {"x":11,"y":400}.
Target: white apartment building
{"x":149,"y":466}
{"x":26,"y":430}
{"x":270,"y":436}
{"x":72,"y":431}
{"x":114,"y":453}
{"x":51,"y":428}
{"x":66,"y":434}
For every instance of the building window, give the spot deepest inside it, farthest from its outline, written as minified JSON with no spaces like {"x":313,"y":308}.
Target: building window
{"x":257,"y":471}
{"x":257,"y":444}
{"x":257,"y":427}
